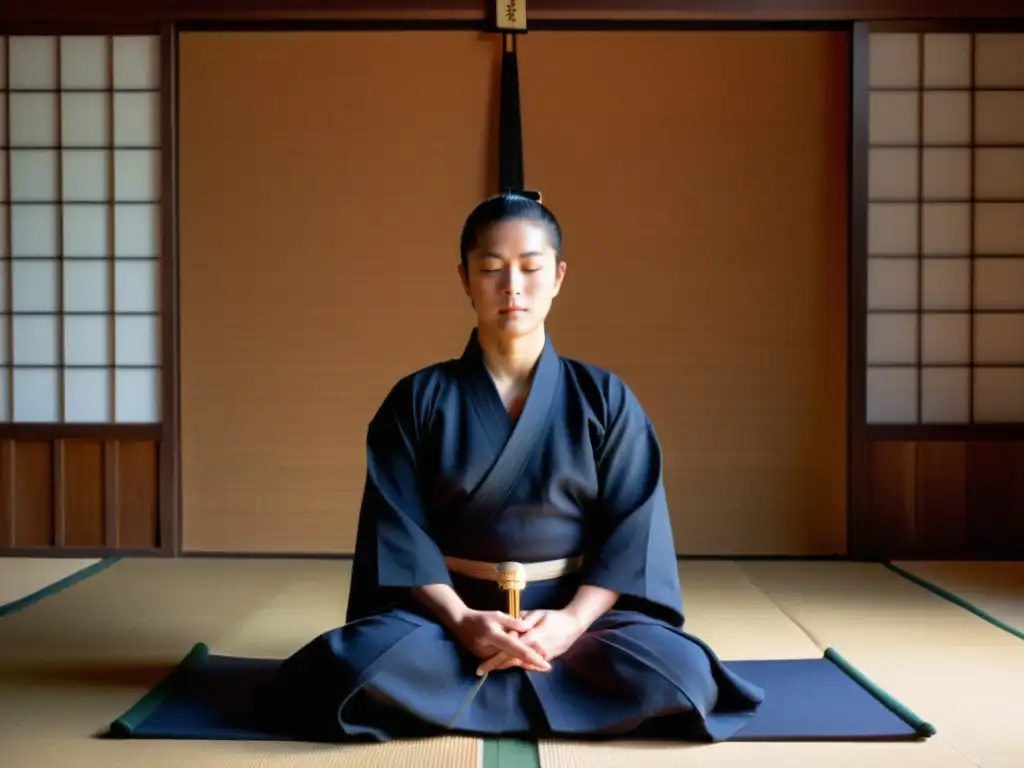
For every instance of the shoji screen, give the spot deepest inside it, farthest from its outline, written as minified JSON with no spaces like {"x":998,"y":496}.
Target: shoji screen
{"x":945,"y":333}
{"x":79,"y":231}
{"x":80,"y":356}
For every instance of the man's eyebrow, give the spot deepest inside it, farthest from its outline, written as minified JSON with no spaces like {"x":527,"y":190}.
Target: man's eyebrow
{"x":493,"y":255}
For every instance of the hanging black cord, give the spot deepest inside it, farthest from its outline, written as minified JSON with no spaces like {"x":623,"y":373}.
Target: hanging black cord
{"x":511,"y":177}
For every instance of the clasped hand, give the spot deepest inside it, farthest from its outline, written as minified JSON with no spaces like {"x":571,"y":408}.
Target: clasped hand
{"x":530,"y":642}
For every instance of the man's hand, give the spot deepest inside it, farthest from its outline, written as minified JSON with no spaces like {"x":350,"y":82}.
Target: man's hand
{"x":547,"y":633}
{"x":490,"y":634}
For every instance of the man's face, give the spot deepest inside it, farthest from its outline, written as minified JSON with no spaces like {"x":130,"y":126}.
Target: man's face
{"x":512,"y":276}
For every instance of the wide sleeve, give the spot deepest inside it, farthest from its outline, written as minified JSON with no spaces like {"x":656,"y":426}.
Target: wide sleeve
{"x":394,"y":550}
{"x":634,"y":549}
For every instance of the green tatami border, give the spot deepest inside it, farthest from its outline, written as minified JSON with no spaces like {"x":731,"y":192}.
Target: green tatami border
{"x":921,"y":727}
{"x":58,"y":586}
{"x":955,"y":599}
{"x":510,"y":753}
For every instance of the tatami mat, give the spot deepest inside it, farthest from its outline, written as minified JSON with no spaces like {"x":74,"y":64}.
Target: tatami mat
{"x":958,"y":671}
{"x":741,"y":620}
{"x":995,"y":588}
{"x":75,"y":661}
{"x":21,"y":577}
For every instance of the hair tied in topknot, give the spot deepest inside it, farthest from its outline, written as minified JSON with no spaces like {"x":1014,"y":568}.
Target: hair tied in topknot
{"x":530,"y":194}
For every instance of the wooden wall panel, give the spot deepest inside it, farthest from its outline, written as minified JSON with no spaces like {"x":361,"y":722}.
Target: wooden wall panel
{"x":32,"y":494}
{"x":942,"y":479}
{"x":323,"y":188}
{"x":945,"y":499}
{"x":301,"y":303}
{"x":134,"y":482}
{"x":996,"y":487}
{"x":79,"y":495}
{"x":82,"y":493}
{"x":891,"y":501}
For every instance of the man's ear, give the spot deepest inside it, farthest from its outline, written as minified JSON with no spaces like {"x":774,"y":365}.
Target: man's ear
{"x":559,"y":277}
{"x":463,"y":278}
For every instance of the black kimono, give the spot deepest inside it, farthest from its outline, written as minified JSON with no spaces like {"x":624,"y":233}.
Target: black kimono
{"x":450,"y":473}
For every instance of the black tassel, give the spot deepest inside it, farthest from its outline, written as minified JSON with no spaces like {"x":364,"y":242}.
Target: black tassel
{"x":510,"y":128}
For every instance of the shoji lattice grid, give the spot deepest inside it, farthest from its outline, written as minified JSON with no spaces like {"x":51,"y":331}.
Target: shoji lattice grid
{"x":79,"y":229}
{"x":945,"y":324}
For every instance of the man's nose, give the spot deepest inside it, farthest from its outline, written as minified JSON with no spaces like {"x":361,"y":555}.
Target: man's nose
{"x":513,"y":282}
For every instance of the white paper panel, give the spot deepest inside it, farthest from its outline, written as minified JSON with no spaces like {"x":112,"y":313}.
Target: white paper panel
{"x":891,"y":395}
{"x":891,"y":339}
{"x":137,"y":174}
{"x":137,"y":286}
{"x":37,"y":395}
{"x":892,"y":173}
{"x":946,"y":284}
{"x":947,"y":117}
{"x":946,"y":174}
{"x":3,"y":175}
{"x":999,"y":60}
{"x":947,"y":60}
{"x":137,"y":230}
{"x":86,"y":231}
{"x":997,"y":395}
{"x":999,"y":228}
{"x":36,"y":339}
{"x":5,"y":351}
{"x":945,"y":395}
{"x":136,"y":119}
{"x":892,"y":283}
{"x":83,"y":62}
{"x":86,"y":175}
{"x":34,"y":176}
{"x":86,"y":286}
{"x":137,"y":340}
{"x":892,"y":229}
{"x":32,"y":61}
{"x":136,"y":62}
{"x":35,"y":286}
{"x":946,"y":229}
{"x":34,"y":231}
{"x":999,"y":117}
{"x":33,"y":118}
{"x":999,"y":284}
{"x":138,"y":395}
{"x":87,"y":396}
{"x":893,"y":60}
{"x":999,"y":339}
{"x":5,"y":274}
{"x":893,"y":118}
{"x":85,"y":120}
{"x":4,"y":219}
{"x":946,"y":339}
{"x":87,"y":340}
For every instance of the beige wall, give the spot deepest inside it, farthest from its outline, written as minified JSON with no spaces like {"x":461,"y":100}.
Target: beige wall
{"x":700,"y":177}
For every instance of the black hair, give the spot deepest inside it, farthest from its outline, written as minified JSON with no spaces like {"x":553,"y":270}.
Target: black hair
{"x":508,"y":206}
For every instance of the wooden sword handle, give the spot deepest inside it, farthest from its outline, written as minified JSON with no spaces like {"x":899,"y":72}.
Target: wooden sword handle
{"x":512,"y":579}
